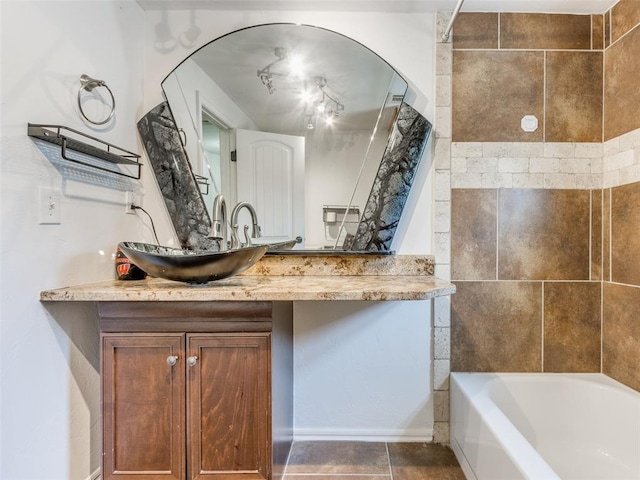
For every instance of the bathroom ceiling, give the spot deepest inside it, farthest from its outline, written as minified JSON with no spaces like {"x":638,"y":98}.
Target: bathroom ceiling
{"x":544,"y":6}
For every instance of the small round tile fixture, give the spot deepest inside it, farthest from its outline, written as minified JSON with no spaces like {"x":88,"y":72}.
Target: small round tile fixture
{"x":529,"y":123}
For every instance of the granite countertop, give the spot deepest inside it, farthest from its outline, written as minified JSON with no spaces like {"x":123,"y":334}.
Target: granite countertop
{"x":284,"y":278}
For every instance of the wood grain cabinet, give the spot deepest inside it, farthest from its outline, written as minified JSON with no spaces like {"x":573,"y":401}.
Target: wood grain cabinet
{"x":189,"y":392}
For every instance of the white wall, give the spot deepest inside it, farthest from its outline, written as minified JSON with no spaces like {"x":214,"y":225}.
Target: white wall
{"x":49,"y":356}
{"x":330,"y":179}
{"x":361,"y":371}
{"x":401,"y":329}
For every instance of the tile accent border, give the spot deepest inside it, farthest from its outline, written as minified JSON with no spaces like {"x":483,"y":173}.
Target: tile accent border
{"x":581,"y":166}
{"x":526,"y":165}
{"x":442,"y":232}
{"x":621,"y":164}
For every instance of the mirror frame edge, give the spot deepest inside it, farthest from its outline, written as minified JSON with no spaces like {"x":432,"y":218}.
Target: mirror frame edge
{"x":190,"y":219}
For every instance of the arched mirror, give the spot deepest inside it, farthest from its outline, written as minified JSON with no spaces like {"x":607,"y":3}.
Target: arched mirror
{"x":295,"y":120}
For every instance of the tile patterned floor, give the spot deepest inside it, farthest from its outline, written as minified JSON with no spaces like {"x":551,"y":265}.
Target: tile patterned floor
{"x":371,"y":461}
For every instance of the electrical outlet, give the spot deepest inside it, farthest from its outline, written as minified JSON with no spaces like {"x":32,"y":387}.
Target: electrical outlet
{"x":49,"y":205}
{"x":131,"y":198}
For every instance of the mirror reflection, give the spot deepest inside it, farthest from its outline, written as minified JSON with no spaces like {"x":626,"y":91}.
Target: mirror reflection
{"x":293,"y":119}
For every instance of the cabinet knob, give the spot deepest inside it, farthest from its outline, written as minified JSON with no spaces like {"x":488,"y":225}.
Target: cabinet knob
{"x":171,"y":360}
{"x":191,"y":361}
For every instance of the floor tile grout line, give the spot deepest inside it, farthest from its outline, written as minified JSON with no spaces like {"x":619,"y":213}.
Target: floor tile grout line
{"x":386,"y":446}
{"x":286,"y":463}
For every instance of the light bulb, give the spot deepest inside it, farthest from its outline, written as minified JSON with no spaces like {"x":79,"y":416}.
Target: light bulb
{"x":296,"y":66}
{"x":305,"y":96}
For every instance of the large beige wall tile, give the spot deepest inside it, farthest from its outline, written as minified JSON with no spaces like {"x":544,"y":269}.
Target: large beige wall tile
{"x":606,"y":235}
{"x":621,"y":92}
{"x":544,"y":31}
{"x":625,"y":238}
{"x":596,"y":234}
{"x":476,"y":30}
{"x":597,"y":32}
{"x":496,"y":327}
{"x":492,"y":91}
{"x":572,"y":327}
{"x":473,"y":234}
{"x":625,"y":15}
{"x":621,"y":334}
{"x":544,"y":234}
{"x":573,"y":97}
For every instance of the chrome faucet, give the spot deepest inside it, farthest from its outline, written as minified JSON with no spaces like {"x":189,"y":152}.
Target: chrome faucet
{"x":219,"y":222}
{"x":255,"y":232}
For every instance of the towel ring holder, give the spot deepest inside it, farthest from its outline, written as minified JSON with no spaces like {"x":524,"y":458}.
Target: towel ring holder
{"x":87,"y":83}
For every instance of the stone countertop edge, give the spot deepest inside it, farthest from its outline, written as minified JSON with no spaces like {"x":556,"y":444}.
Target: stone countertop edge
{"x":383,"y":278}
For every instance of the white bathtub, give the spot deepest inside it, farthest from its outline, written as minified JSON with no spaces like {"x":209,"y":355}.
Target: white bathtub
{"x":545,"y":426}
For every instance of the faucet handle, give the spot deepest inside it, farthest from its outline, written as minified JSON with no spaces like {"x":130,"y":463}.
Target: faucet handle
{"x":235,"y":242}
{"x":247,"y":238}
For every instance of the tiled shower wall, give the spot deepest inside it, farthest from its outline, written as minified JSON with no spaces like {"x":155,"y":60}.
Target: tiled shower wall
{"x":621,"y":196}
{"x":509,"y":65}
{"x":545,"y":259}
{"x":527,"y":269}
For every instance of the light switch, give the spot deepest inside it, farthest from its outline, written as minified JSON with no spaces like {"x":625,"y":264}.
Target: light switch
{"x":49,"y":205}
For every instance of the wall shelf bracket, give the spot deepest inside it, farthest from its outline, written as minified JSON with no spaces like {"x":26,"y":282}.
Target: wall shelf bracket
{"x":64,"y":137}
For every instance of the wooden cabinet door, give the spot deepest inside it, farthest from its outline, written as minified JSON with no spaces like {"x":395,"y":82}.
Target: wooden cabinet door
{"x":143,"y":406}
{"x":228,"y":406}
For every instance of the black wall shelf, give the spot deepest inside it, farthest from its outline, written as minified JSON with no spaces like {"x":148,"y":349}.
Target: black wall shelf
{"x":64,"y":137}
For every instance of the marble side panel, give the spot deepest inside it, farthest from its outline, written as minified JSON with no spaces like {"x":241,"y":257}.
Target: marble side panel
{"x":544,"y":234}
{"x":625,"y":241}
{"x":475,"y":30}
{"x":172,"y":170}
{"x":573,"y":97}
{"x":496,"y":327}
{"x":474,"y":234}
{"x":621,"y":92}
{"x":625,"y":15}
{"x":572,"y":327}
{"x":492,"y":91}
{"x":393,"y":181}
{"x":596,"y":234}
{"x":597,"y":31}
{"x":343,"y":265}
{"x":621,"y":334}
{"x":545,"y":31}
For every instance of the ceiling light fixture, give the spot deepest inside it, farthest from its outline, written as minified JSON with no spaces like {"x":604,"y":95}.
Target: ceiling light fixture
{"x":326,"y":105}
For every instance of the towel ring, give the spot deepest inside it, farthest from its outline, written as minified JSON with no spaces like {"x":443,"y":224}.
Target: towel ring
{"x":87,"y":83}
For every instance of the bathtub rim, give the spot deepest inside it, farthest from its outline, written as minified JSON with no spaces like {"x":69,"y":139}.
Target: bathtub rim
{"x":475,"y":387}
{"x":524,"y":457}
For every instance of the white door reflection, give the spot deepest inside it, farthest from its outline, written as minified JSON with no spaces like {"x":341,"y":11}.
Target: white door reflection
{"x":273,"y":182}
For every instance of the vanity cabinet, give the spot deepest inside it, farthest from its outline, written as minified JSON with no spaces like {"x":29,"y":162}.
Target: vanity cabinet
{"x":188,"y":390}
